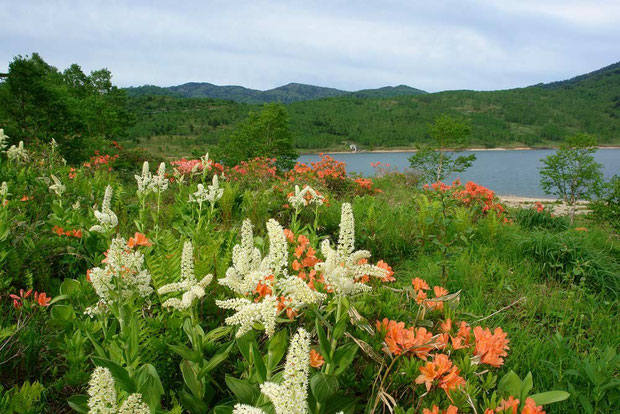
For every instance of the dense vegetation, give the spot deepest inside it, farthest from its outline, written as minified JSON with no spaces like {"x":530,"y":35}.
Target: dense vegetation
{"x":539,"y":115}
{"x":151,"y":294}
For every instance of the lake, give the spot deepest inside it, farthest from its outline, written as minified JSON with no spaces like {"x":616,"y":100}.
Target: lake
{"x":509,"y":172}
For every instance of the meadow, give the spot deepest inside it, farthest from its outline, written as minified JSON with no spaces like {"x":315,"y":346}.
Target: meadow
{"x":195,"y":287}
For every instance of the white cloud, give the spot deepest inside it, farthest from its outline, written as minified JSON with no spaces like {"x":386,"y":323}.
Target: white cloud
{"x":344,"y":44}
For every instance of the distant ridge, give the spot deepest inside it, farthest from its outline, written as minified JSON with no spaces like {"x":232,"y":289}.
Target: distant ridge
{"x":292,"y":92}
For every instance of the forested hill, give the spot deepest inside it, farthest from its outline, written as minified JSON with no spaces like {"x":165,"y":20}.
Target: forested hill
{"x":542,"y":114}
{"x":292,"y":92}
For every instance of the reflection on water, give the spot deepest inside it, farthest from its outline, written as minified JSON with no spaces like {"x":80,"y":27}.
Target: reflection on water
{"x":510,"y":172}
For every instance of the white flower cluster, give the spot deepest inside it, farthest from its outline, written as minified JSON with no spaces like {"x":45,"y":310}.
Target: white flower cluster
{"x":304,"y":197}
{"x":18,"y":153}
{"x":106,"y":217}
{"x":144,"y":180}
{"x":343,"y":267}
{"x":249,"y":313}
{"x":4,"y":190}
{"x":211,"y":194}
{"x":248,"y":269}
{"x":246,"y":409}
{"x":3,"y":139}
{"x":290,"y":396}
{"x":192,"y":289}
{"x":102,"y":396}
{"x":58,"y":187}
{"x":122,"y":276}
{"x":159,"y":182}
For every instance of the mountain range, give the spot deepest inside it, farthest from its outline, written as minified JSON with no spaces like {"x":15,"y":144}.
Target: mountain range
{"x":292,"y":92}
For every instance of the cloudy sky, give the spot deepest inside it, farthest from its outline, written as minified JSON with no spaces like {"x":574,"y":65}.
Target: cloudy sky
{"x":432,"y":45}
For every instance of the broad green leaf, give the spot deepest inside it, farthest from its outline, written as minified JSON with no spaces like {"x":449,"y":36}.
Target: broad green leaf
{"x":245,"y":392}
{"x":549,"y":397}
{"x":276,"y":349}
{"x":190,"y":376}
{"x":323,"y":386}
{"x":510,"y":384}
{"x":323,"y":342}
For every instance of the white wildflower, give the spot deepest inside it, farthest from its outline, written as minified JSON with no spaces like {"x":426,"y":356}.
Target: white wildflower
{"x":249,"y":312}
{"x":101,"y":392}
{"x":123,"y":274}
{"x":18,"y":153}
{"x":276,"y":260}
{"x":344,"y":267}
{"x":4,"y":190}
{"x":106,"y":217}
{"x":53,"y":144}
{"x":246,"y":409}
{"x":134,"y":405}
{"x":246,"y":260}
{"x":58,"y":187}
{"x":290,"y":396}
{"x":159,"y":182}
{"x":307,"y":196}
{"x":211,"y":194}
{"x":3,"y":139}
{"x":76,"y":205}
{"x":144,"y":180}
{"x":191,"y":288}
{"x":298,"y":292}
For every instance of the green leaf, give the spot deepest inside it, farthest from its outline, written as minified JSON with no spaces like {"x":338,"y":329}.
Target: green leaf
{"x":344,"y":356}
{"x":245,"y":392}
{"x":510,"y":384}
{"x":323,"y":342}
{"x":338,"y":403}
{"x":149,"y":385}
{"x":192,"y":404}
{"x":216,"y":360}
{"x":526,"y":386}
{"x":258,"y":362}
{"x":62,"y":313}
{"x":276,"y":349}
{"x":190,"y":376}
{"x":79,"y":403}
{"x":69,"y":287}
{"x":549,"y":397}
{"x":323,"y":386}
{"x":243,"y":343}
{"x":185,"y":352}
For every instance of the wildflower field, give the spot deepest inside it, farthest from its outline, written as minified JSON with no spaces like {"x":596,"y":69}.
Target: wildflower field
{"x":189,"y":286}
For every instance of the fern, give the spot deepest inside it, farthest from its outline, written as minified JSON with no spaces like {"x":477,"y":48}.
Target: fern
{"x":164,"y":262}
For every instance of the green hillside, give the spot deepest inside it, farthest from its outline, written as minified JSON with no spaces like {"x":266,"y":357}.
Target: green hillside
{"x":538,"y":115}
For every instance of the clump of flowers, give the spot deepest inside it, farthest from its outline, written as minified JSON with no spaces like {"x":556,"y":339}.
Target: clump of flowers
{"x":102,"y":397}
{"x":211,"y":194}
{"x":144,"y":180}
{"x":3,"y":139}
{"x":259,"y":169}
{"x":191,"y":288}
{"x":472,"y":194}
{"x":344,"y":269}
{"x":57,"y":187}
{"x":106,"y":217}
{"x":306,"y":196}
{"x":40,"y":299}
{"x":4,"y":192}
{"x":291,"y":394}
{"x":18,"y":153}
{"x":159,"y":182}
{"x":99,"y":161}
{"x":68,"y":233}
{"x":268,"y":277}
{"x":122,"y":276}
{"x":190,"y":167}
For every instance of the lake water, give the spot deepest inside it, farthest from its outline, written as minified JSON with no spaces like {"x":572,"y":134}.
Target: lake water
{"x":510,"y":172}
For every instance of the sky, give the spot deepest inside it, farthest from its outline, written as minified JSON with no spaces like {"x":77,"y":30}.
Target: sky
{"x":432,"y":45}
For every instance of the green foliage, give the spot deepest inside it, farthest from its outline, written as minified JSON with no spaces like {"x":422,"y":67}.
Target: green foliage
{"x":263,"y":134}
{"x":22,"y":400}
{"x":531,"y":219}
{"x":571,"y":173}
{"x":37,"y":101}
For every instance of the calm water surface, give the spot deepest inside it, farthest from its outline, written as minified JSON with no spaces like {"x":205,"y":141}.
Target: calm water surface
{"x":510,"y":172}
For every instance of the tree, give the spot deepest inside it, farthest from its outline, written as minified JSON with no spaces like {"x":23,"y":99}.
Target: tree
{"x":39,"y":102}
{"x":263,"y":134}
{"x":432,"y":161}
{"x":571,"y":173}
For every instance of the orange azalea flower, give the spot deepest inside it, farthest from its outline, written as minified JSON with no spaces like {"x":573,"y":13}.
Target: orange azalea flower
{"x":26,"y":198}
{"x":263,"y":289}
{"x":316,"y":359}
{"x":88,"y":275}
{"x":389,"y":277}
{"x":419,"y":284}
{"x":532,"y":408}
{"x":446,"y":326}
{"x":508,"y":406}
{"x":581,"y":229}
{"x":451,"y":381}
{"x":138,"y":239}
{"x":42,"y":299}
{"x":442,"y":371}
{"x":435,"y":410}
{"x":290,"y":236}
{"x":299,"y":250}
{"x":296,"y":265}
{"x":77,"y":233}
{"x":282,"y":304}
{"x":491,"y":347}
{"x":452,"y":410}
{"x":399,"y":339}
{"x":58,"y":230}
{"x":420,"y":297}
{"x":439,"y":292}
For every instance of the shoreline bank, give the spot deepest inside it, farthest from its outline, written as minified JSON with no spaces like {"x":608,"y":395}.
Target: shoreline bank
{"x":412,"y":150}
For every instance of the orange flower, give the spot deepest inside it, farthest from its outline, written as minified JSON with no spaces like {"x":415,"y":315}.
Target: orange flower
{"x":263,"y":289}
{"x":290,"y":236}
{"x":26,"y":198}
{"x":442,"y":371}
{"x":77,"y":233}
{"x":316,"y":359}
{"x":419,"y":284}
{"x":581,"y":229}
{"x":138,"y":239}
{"x":282,"y":304}
{"x":446,"y":326}
{"x":491,"y":347}
{"x":439,"y":292}
{"x":42,"y":299}
{"x":531,"y":407}
{"x":389,"y":277}
{"x":420,"y":297}
{"x":299,"y":250}
{"x":508,"y":406}
{"x":435,"y":410}
{"x":58,"y":230}
{"x":452,"y":410}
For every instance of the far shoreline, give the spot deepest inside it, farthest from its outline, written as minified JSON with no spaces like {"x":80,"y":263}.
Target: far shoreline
{"x":380,"y":151}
